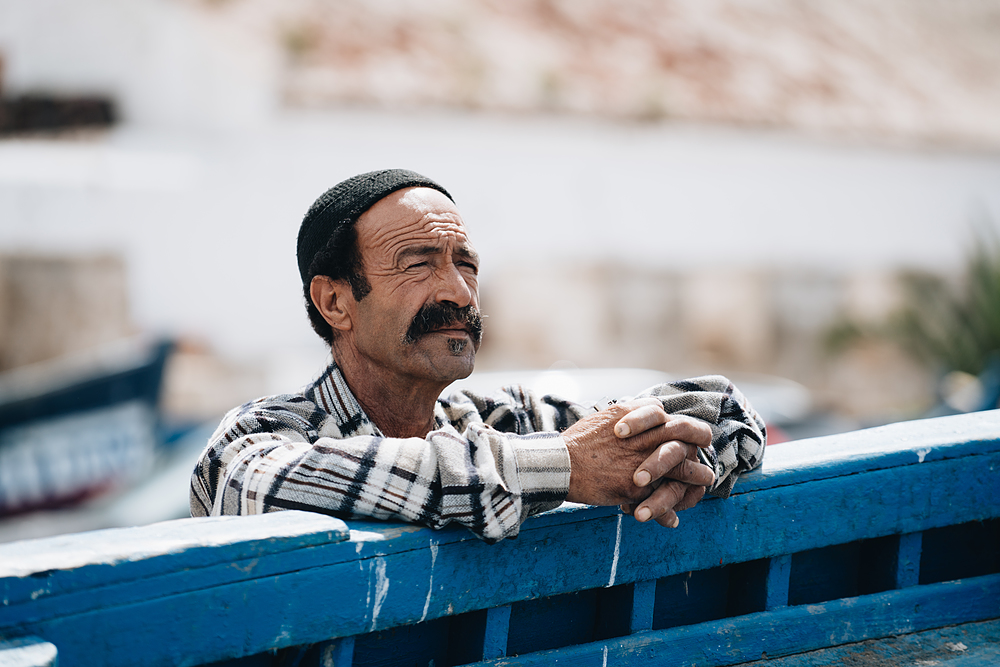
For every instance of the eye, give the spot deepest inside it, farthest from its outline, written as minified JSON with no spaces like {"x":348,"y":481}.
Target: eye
{"x":416,"y":265}
{"x":469,"y":265}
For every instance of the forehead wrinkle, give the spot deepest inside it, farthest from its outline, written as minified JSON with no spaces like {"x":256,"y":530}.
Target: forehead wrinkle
{"x":433,"y":237}
{"x":389,"y":244}
{"x":411,"y":217}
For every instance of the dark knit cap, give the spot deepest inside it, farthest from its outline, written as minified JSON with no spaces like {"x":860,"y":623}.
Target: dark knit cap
{"x":344,"y":203}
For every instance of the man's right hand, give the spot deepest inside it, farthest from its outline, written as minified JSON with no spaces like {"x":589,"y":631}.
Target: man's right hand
{"x":636,"y":455}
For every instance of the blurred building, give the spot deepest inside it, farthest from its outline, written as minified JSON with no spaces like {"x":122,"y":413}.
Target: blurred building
{"x":708,"y":187}
{"x":927,"y":70}
{"x":165,"y":63}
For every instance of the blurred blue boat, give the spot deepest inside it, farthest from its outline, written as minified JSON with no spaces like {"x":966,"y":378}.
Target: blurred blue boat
{"x":77,"y":426}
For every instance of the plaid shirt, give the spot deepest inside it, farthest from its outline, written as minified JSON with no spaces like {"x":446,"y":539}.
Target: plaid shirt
{"x":489,"y":463}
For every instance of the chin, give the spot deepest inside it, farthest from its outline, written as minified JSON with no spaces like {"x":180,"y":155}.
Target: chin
{"x":459,"y":366}
{"x":468,"y":372}
{"x":444,"y":359}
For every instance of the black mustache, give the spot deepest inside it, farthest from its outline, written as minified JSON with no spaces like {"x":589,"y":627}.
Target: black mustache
{"x":434,"y":316}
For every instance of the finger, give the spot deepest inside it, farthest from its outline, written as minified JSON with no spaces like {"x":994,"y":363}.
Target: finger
{"x":682,"y":429}
{"x":672,"y":460}
{"x":688,"y":429}
{"x":641,"y":419}
{"x":626,"y":508}
{"x":663,"y":459}
{"x":691,"y":497}
{"x":661,"y":502}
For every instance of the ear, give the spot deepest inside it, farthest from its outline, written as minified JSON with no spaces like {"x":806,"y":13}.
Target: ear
{"x":334,"y":300}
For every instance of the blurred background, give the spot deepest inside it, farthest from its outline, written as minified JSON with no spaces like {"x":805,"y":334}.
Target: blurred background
{"x":802,"y":195}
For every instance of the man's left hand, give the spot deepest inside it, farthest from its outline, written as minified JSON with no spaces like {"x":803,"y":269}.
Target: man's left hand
{"x":678,"y":478}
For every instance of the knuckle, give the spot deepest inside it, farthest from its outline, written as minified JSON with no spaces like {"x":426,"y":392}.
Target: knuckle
{"x":670,"y":452}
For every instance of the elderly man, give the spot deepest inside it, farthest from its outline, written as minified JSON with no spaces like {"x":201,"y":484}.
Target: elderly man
{"x":390,"y":282}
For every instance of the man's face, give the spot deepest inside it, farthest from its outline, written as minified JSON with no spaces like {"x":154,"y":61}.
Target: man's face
{"x":421,"y":267}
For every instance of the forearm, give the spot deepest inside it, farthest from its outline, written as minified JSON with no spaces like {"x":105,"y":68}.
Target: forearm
{"x":482,"y":479}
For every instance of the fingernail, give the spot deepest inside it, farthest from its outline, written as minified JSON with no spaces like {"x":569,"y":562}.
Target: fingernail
{"x":676,"y":522}
{"x":622,"y":430}
{"x":642,"y":478}
{"x":643,"y":514}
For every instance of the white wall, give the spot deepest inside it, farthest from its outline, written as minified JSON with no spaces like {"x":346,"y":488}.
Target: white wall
{"x":162,"y":62}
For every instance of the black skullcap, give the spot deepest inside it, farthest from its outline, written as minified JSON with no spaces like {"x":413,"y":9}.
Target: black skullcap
{"x":344,"y":203}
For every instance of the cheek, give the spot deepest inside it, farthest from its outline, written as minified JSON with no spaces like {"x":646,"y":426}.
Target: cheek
{"x":396,"y":309}
{"x":380,"y":315}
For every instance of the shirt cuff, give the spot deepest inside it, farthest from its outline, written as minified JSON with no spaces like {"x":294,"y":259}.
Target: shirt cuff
{"x":543,"y":470}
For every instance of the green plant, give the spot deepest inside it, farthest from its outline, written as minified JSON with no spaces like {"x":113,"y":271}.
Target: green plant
{"x":954,"y":326}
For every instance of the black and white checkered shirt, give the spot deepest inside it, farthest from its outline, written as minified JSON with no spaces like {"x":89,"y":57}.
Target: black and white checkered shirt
{"x":489,"y":463}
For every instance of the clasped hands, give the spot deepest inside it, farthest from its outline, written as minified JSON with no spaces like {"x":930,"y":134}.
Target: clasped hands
{"x":636,"y":455}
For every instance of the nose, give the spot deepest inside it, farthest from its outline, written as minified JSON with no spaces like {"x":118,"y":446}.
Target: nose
{"x":454,"y":288}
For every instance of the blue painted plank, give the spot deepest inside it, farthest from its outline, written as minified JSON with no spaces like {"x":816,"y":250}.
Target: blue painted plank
{"x":787,"y":631}
{"x":967,"y":645}
{"x":779,"y":569}
{"x":98,"y":558}
{"x":27,"y":652}
{"x":900,"y":444}
{"x":497,"y":626}
{"x":50,"y":593}
{"x":643,"y":598}
{"x":908,"y":560}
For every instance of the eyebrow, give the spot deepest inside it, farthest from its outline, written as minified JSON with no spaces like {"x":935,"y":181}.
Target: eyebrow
{"x":424,"y":250}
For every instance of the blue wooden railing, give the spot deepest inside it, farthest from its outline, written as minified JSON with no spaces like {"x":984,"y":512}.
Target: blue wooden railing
{"x":836,"y":540}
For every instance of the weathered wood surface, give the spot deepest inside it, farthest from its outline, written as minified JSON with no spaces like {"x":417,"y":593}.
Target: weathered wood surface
{"x":966,"y":645}
{"x":786,"y":631}
{"x":200,"y":590}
